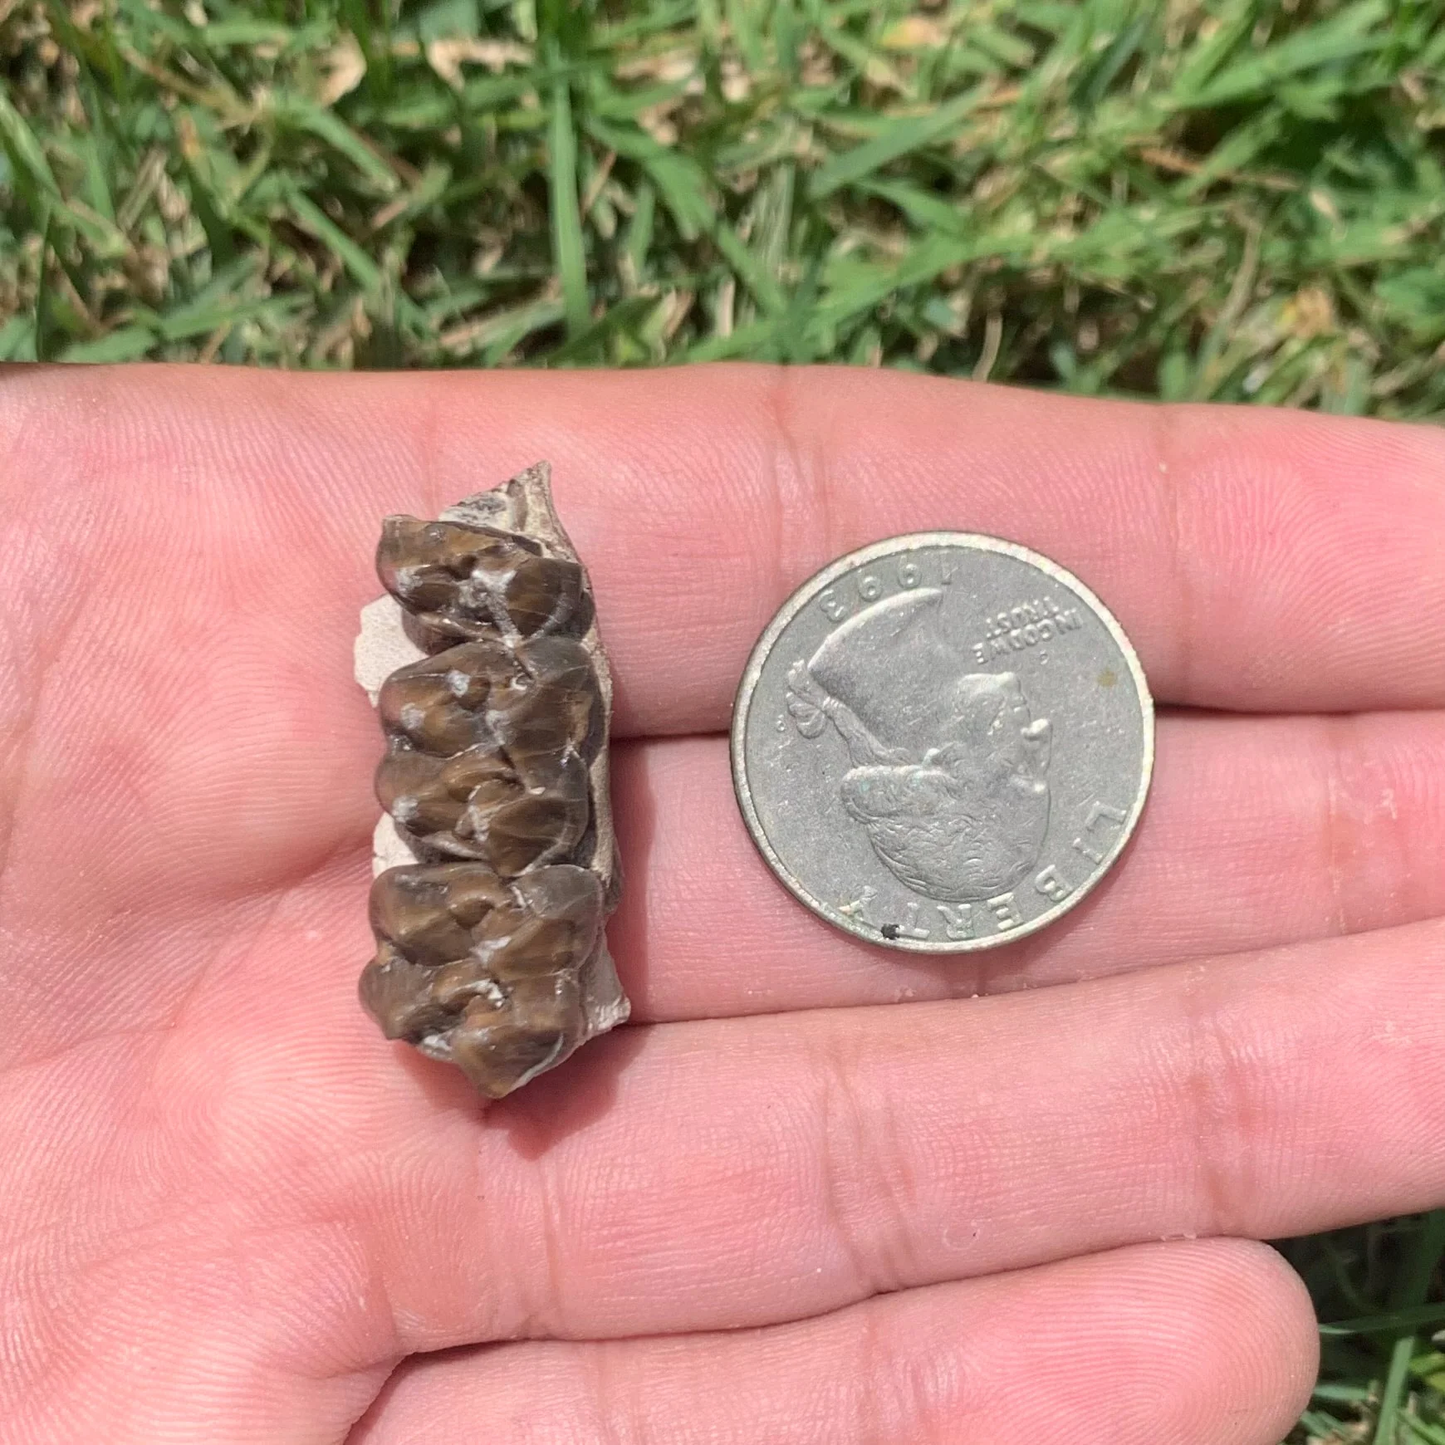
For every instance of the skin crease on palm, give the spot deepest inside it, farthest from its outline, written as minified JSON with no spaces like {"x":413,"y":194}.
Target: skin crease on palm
{"x":821,"y":1192}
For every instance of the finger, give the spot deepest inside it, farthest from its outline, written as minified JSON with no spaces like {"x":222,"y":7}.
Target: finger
{"x":1257,"y":833}
{"x":1210,"y":1342}
{"x":190,"y":549}
{"x":1259,"y":559}
{"x":729,"y":1173}
{"x":717,"y":1174}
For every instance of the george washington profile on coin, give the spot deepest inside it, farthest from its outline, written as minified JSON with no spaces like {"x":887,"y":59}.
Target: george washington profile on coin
{"x":949,"y":768}
{"x":941,"y":742}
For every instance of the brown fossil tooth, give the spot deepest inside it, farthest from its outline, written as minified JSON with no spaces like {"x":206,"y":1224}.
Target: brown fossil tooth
{"x":424,"y":708}
{"x":480,"y":582}
{"x":478,"y":805}
{"x":398,"y":995}
{"x":482,"y":971}
{"x":556,"y":918}
{"x":548,"y":595}
{"x":501,"y":1050}
{"x":490,"y":944}
{"x":528,"y":828}
{"x":414,"y":788}
{"x":428,"y":914}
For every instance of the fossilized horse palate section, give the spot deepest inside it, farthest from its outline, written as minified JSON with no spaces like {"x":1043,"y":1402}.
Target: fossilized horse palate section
{"x":498,"y":866}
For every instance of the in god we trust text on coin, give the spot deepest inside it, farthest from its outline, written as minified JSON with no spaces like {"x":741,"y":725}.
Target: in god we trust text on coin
{"x":942,"y":742}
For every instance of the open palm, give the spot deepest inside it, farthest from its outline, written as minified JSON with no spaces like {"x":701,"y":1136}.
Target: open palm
{"x":231,"y":1212}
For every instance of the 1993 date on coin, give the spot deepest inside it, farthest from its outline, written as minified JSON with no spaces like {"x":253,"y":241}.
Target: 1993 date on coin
{"x":942,"y":742}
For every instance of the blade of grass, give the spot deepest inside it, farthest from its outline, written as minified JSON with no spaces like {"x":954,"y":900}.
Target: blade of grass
{"x":568,"y":250}
{"x":1418,"y":1317}
{"x":1411,"y":1286}
{"x":28,"y":159}
{"x":904,"y":135}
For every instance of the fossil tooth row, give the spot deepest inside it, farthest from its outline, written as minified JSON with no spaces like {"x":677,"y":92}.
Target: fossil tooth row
{"x":496,"y":864}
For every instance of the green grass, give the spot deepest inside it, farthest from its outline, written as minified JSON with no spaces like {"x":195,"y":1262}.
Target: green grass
{"x":1230,"y":200}
{"x":1233,"y":200}
{"x":1382,"y":1378}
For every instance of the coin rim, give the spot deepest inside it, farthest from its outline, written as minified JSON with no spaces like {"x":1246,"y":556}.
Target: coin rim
{"x":804,"y":594}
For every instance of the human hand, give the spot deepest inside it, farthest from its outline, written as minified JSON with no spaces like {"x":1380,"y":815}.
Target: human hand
{"x":231,"y":1212}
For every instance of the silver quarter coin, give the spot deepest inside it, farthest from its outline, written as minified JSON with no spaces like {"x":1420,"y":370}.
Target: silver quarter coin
{"x":942,"y":742}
